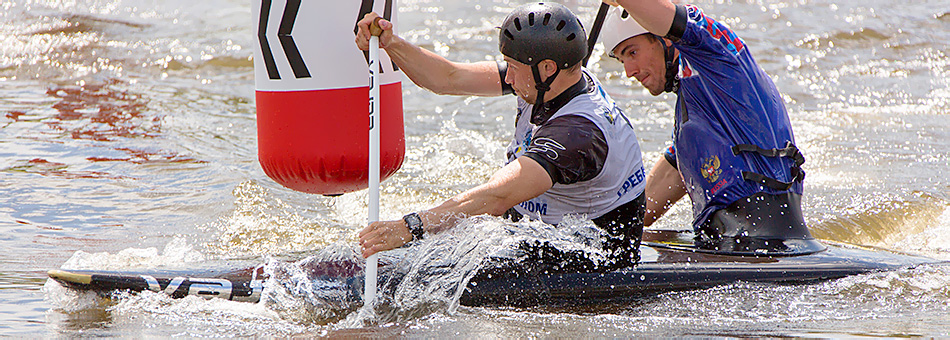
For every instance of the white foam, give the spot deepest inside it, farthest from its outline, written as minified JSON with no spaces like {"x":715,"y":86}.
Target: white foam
{"x":197,"y":317}
{"x":933,"y":241}
{"x":176,"y":252}
{"x":70,"y":300}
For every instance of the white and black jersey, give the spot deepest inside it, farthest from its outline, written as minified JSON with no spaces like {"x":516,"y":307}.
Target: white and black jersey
{"x":587,"y":146}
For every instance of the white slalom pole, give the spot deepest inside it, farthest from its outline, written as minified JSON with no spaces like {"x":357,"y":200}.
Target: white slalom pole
{"x":369,"y":293}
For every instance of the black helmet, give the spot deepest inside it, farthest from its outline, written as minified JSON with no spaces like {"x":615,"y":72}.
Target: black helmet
{"x":535,"y":32}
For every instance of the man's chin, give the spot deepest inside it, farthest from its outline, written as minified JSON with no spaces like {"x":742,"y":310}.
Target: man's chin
{"x":655,"y":89}
{"x":527,"y":99}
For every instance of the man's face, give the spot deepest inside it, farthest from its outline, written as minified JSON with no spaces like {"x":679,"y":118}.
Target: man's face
{"x":521,"y":79}
{"x":643,"y":59}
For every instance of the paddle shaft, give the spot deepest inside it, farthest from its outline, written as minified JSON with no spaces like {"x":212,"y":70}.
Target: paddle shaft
{"x":595,"y":30}
{"x":369,"y":294}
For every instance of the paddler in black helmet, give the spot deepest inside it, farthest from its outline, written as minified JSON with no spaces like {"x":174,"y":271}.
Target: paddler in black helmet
{"x":733,"y":148}
{"x":573,"y":151}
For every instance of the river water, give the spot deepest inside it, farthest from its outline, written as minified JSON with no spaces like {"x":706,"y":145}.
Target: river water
{"x":128,"y":139}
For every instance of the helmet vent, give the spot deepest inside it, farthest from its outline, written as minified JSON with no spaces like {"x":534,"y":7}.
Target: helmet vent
{"x":517,"y":24}
{"x":624,"y":15}
{"x":571,"y":37}
{"x":509,"y":35}
{"x":561,"y":25}
{"x":547,"y":18}
{"x":530,"y":19}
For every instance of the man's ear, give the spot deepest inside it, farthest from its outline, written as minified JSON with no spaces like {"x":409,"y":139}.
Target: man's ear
{"x":667,"y":42}
{"x":547,"y":68}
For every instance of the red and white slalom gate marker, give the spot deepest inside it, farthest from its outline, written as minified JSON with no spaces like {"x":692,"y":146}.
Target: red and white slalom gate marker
{"x":312,"y":122}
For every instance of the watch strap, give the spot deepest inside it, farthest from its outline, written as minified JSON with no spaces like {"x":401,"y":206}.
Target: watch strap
{"x":414,"y":223}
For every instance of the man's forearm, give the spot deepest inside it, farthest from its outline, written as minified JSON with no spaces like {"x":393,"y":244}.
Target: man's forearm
{"x":517,"y":182}
{"x":655,"y":16}
{"x":442,"y":76}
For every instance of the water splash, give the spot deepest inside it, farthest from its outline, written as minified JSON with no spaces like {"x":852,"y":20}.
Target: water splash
{"x":318,"y":290}
{"x":71,"y":300}
{"x":856,"y":305}
{"x":933,"y":241}
{"x":198,"y":317}
{"x":428,"y":277}
{"x":263,"y":224}
{"x":886,"y":222}
{"x":176,"y":253}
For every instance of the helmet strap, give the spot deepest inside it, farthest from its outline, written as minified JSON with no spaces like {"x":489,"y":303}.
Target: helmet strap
{"x":542,"y":87}
{"x":672,"y":66}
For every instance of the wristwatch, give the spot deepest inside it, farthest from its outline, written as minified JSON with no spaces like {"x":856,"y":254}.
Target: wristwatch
{"x":414,"y":222}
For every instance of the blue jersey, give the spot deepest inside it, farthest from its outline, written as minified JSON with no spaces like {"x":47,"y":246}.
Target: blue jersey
{"x":733,"y":137}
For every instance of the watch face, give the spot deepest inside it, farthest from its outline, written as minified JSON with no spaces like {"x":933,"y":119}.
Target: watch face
{"x":413,"y":220}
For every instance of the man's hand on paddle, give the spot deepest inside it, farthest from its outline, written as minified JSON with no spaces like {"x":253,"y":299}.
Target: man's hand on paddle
{"x":384,"y":235}
{"x":519,"y":181}
{"x":362,"y":35}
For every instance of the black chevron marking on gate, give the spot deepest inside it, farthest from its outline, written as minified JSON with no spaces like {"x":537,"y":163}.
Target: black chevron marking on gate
{"x":365,"y":7}
{"x":269,"y":63}
{"x":287,"y":42}
{"x":388,"y":14}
